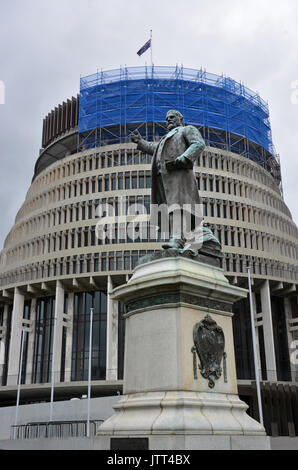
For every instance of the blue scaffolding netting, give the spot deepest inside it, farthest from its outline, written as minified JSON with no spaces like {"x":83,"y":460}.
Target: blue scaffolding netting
{"x":145,"y":94}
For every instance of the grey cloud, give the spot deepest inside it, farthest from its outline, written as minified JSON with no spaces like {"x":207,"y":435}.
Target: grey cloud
{"x":46,"y":46}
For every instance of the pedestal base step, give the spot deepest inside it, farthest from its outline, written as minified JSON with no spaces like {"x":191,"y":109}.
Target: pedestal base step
{"x":184,"y":442}
{"x":184,"y":420}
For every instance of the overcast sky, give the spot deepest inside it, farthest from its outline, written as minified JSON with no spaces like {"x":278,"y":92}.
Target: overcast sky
{"x":46,"y":45}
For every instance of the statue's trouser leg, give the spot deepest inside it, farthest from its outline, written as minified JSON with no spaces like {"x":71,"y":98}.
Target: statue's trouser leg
{"x":181,"y":223}
{"x":176,"y":224}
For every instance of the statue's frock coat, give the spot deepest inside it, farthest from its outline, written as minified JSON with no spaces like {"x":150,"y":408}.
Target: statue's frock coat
{"x":180,"y":185}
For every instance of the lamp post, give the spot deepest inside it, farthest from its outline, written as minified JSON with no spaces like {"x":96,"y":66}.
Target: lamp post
{"x":89,"y":372}
{"x":19,"y":384}
{"x":254,"y":342}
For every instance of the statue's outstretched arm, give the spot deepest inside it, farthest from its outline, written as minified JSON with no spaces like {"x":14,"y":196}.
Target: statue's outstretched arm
{"x":147,"y":147}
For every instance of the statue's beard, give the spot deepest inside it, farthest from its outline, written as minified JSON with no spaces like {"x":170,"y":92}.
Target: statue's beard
{"x":170,"y":127}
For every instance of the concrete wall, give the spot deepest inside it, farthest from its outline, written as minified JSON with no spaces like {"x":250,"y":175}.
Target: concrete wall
{"x":100,"y":408}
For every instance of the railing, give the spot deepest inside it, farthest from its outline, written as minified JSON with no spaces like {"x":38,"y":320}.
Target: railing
{"x":54,"y":429}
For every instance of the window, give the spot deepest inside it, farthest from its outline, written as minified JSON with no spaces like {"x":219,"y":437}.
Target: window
{"x":90,"y":211}
{"x":93,"y":235}
{"x":99,"y":184}
{"x":79,"y":238}
{"x":120,"y":180}
{"x":110,"y":159}
{"x":141,"y":180}
{"x":85,"y":237}
{"x":148,"y":179}
{"x":103,"y":261}
{"x":127,"y":180}
{"x":134,"y":180}
{"x":243,"y":340}
{"x":113,"y":182}
{"x":111,"y":261}
{"x":83,"y":302}
{"x":44,"y":328}
{"x":119,"y":261}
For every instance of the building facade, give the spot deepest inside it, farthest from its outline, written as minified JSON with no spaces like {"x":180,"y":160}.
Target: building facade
{"x":64,"y":255}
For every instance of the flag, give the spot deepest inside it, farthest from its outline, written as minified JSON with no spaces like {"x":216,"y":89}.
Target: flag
{"x":144,"y":48}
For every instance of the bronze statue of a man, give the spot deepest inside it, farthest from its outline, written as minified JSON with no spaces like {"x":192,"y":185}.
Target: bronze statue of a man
{"x":173,"y":179}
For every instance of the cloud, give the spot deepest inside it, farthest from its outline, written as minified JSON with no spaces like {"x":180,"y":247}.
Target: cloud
{"x":46,"y":46}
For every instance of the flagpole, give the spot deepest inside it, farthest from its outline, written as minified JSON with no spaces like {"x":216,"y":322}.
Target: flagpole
{"x":53,"y":369}
{"x":19,"y":385}
{"x":89,"y":371}
{"x":151,"y":47}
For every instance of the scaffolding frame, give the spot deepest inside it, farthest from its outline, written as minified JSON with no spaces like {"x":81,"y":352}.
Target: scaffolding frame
{"x":113,"y":103}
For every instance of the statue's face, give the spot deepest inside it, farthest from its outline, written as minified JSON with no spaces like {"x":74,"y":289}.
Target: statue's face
{"x":172,"y":121}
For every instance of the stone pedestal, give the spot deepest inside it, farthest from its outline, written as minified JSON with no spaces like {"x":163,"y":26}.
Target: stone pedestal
{"x":166,"y":397}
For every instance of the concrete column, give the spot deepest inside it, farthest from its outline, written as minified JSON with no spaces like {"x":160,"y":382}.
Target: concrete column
{"x":59,"y":310}
{"x":69,"y":333}
{"x":112,"y":334}
{"x":16,"y":336}
{"x":288,"y":316}
{"x":242,"y":237}
{"x":268,"y":331}
{"x":229,"y":237}
{"x":208,"y":210}
{"x":233,"y":210}
{"x":30,"y":352}
{"x":3,"y":339}
{"x":248,"y":239}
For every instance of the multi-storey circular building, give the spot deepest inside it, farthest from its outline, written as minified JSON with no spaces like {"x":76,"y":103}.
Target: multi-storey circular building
{"x":54,"y":267}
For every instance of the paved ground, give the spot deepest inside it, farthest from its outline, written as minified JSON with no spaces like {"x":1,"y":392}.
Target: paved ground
{"x":83,"y":443}
{"x":284,"y":443}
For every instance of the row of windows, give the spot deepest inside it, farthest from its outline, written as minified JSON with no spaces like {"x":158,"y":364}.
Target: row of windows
{"x":79,"y":358}
{"x":124,"y":157}
{"x":142,"y":179}
{"x":44,"y":331}
{"x":144,"y":232}
{"x":109,"y":182}
{"x":133,"y":180}
{"x":127,"y":260}
{"x":133,"y":157}
{"x":43,"y":338}
{"x":83,"y":302}
{"x":86,"y":236}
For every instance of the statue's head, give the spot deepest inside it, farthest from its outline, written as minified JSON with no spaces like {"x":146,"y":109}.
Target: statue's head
{"x":174,"y":119}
